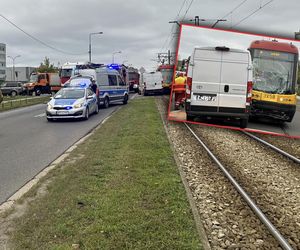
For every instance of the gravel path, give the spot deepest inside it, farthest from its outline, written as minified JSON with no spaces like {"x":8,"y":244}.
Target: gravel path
{"x":229,"y":222}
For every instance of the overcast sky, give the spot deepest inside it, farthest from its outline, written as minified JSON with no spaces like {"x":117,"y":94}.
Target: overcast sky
{"x":204,"y":37}
{"x":138,"y":28}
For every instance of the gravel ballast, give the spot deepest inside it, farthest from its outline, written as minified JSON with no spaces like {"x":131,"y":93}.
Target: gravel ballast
{"x":228,"y":221}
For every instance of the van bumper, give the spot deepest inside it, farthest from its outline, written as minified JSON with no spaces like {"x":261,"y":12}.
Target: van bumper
{"x":192,"y":110}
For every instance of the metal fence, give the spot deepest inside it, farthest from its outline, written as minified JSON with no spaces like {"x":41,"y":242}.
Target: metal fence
{"x":20,"y":102}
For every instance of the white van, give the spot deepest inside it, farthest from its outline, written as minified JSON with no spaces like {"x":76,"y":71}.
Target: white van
{"x":219,"y":83}
{"x":152,"y":83}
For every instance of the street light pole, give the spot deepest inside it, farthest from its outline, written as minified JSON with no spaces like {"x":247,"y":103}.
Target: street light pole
{"x":90,"y":43}
{"x":113,"y":55}
{"x":13,"y":59}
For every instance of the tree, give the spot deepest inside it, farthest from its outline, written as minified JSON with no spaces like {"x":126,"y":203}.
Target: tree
{"x":46,"y":66}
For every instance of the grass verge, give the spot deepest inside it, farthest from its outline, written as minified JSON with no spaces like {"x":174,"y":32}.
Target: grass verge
{"x":12,"y":103}
{"x":122,"y":191}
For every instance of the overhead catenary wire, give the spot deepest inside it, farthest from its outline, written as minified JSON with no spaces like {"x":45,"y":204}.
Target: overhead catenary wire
{"x":252,"y":13}
{"x":234,"y":9}
{"x":187,"y":10}
{"x":169,"y":35}
{"x":37,"y":39}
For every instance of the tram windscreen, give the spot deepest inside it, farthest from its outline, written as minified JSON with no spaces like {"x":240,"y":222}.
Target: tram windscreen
{"x":167,"y":75}
{"x":273,"y":71}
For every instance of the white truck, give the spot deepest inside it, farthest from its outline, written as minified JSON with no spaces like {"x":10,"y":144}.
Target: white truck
{"x":219,"y":84}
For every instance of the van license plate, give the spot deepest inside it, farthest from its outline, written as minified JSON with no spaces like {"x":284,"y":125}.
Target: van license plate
{"x":62,"y":112}
{"x":207,"y":98}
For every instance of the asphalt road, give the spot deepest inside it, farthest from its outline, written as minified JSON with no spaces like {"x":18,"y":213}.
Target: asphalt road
{"x":28,"y":143}
{"x":288,"y":128}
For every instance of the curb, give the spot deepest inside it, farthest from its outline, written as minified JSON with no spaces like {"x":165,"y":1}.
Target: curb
{"x":9,"y":203}
{"x":197,"y":218}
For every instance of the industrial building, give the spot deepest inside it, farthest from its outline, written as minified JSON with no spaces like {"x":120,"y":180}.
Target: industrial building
{"x":2,"y":61}
{"x":22,"y":74}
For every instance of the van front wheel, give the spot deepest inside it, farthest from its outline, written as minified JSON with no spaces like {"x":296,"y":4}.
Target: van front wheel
{"x":244,"y":123}
{"x":125,"y":99}
{"x":106,"y":102}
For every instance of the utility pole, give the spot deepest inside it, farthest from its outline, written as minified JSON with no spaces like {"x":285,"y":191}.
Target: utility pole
{"x":297,"y":35}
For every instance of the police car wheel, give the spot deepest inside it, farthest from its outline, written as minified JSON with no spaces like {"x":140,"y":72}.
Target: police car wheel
{"x":97,"y":109}
{"x":87,"y":114}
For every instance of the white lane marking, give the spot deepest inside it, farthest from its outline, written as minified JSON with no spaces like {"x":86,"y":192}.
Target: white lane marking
{"x":40,"y":115}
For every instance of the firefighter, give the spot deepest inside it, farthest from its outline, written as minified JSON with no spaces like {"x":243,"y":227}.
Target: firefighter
{"x":179,"y":90}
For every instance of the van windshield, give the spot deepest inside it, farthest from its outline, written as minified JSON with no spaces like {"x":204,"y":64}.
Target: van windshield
{"x":273,"y":71}
{"x":82,"y":82}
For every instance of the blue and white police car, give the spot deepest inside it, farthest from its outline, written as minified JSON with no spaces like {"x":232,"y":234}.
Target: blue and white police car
{"x":73,"y":103}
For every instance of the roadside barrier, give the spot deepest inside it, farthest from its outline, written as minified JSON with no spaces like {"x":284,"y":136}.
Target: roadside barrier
{"x":9,"y":104}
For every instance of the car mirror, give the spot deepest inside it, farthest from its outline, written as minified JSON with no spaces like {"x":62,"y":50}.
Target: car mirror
{"x":51,"y":97}
{"x":90,"y":97}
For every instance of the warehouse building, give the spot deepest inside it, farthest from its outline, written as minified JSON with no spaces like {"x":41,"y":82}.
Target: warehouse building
{"x":2,"y":61}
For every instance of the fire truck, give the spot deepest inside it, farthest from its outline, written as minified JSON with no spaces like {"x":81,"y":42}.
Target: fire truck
{"x":71,"y":69}
{"x":134,"y":79}
{"x":167,"y":71}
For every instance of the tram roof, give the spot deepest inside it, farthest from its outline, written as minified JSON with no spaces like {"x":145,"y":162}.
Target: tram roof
{"x":274,"y":45}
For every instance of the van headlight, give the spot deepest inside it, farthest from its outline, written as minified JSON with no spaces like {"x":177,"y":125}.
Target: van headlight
{"x":78,"y":105}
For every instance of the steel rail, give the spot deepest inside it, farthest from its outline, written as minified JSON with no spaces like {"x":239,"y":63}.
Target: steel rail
{"x":277,"y":235}
{"x":291,"y":157}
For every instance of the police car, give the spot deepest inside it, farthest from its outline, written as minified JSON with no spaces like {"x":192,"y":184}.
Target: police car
{"x":73,"y":102}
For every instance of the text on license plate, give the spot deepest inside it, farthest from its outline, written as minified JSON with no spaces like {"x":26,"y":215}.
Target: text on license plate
{"x":208,"y":98}
{"x":62,"y":112}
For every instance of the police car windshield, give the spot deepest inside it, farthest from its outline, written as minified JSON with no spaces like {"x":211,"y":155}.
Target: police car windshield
{"x":70,"y":94}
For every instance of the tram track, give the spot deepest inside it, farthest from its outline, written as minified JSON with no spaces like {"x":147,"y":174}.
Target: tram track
{"x":263,"y":218}
{"x":278,"y":150}
{"x":271,"y":180}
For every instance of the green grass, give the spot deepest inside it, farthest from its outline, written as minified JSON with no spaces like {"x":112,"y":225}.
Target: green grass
{"x":124,"y":192}
{"x":18,"y":102}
